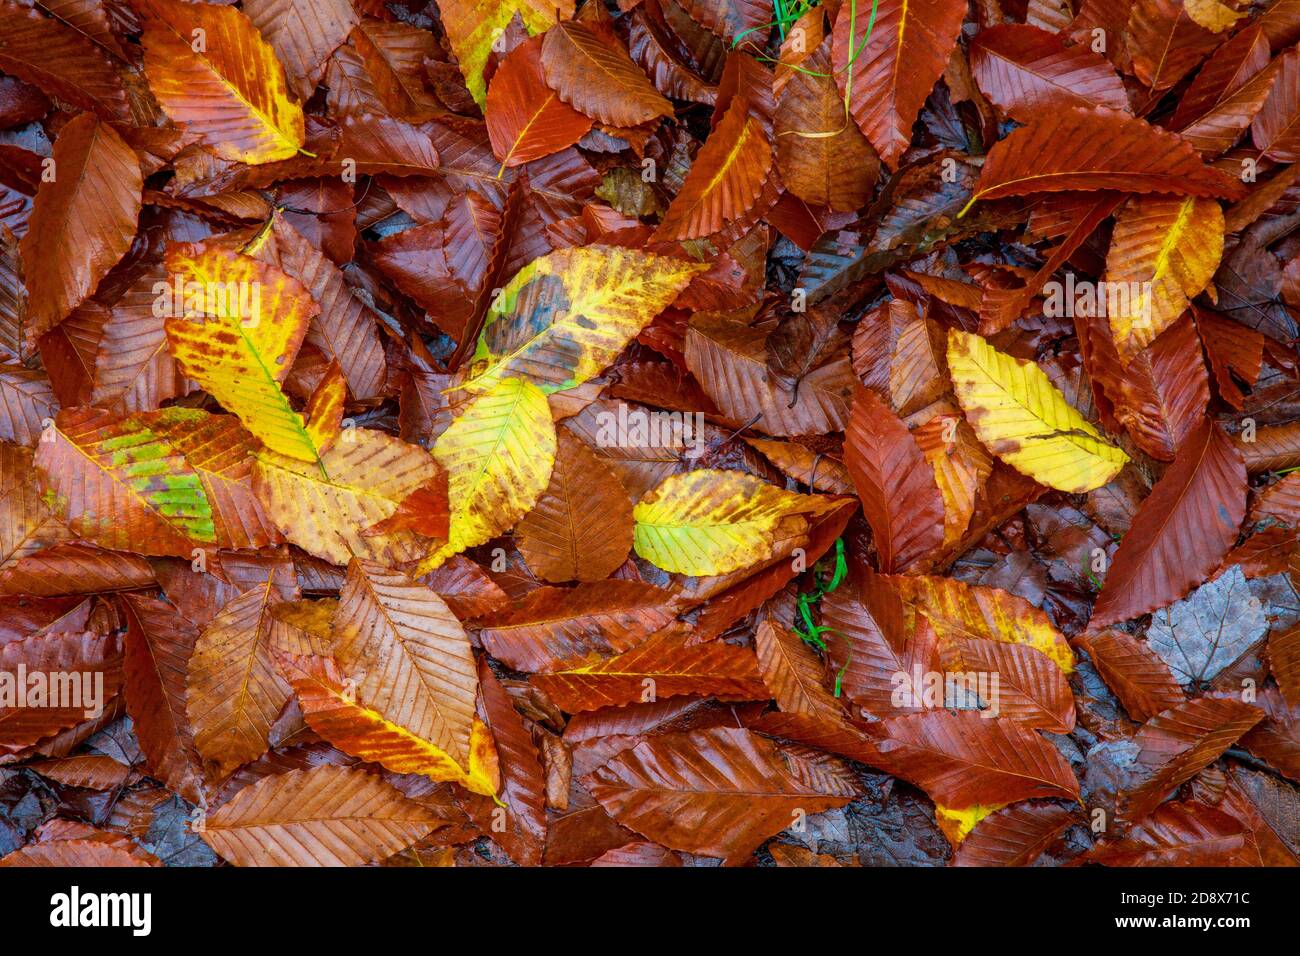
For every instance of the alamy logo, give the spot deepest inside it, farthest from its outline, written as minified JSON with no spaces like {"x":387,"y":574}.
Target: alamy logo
{"x":59,"y":690}
{"x":186,"y":299}
{"x":954,"y":690}
{"x":74,"y":908}
{"x":644,"y":428}
{"x":1086,"y":299}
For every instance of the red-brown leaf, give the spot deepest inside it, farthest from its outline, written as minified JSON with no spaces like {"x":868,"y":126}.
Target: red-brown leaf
{"x":1175,"y":745}
{"x":1181,"y":532}
{"x":1097,"y":148}
{"x":1025,"y":70}
{"x":82,"y":221}
{"x":594,"y":75}
{"x":895,"y":67}
{"x":895,"y":484}
{"x":962,"y":758}
{"x":714,"y":792}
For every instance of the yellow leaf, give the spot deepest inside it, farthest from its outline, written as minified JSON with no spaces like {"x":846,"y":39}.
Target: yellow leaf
{"x":325,"y":408}
{"x":959,"y":611}
{"x":712,"y":522}
{"x":243,"y":323}
{"x":957,"y":824}
{"x":565,"y":316}
{"x":1023,"y":419}
{"x":324,"y":508}
{"x":472,"y":27}
{"x":211,"y":71}
{"x":498,"y":455}
{"x":1214,"y":16}
{"x":1163,"y":253}
{"x":484,"y":763}
{"x":332,"y":709}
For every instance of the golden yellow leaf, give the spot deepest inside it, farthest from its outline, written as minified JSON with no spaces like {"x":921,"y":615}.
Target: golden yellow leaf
{"x":498,"y":455}
{"x":958,"y":610}
{"x":565,"y":316}
{"x":473,"y":27}
{"x":1214,"y":16}
{"x":325,"y":409}
{"x":711,"y":521}
{"x":212,"y":72}
{"x":957,"y":823}
{"x":325,"y":507}
{"x":1023,"y":419}
{"x":235,"y":331}
{"x":1163,"y":253}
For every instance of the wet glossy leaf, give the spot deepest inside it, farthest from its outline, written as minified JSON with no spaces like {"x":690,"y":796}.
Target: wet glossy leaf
{"x":224,"y":83}
{"x":1023,"y":419}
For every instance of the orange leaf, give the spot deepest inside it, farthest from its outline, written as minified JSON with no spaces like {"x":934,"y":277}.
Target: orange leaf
{"x":725,"y":180}
{"x":526,"y":120}
{"x":1097,"y":148}
{"x":212,"y":71}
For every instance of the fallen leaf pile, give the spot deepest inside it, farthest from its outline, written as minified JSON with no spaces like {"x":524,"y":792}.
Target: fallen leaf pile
{"x":663,"y":432}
